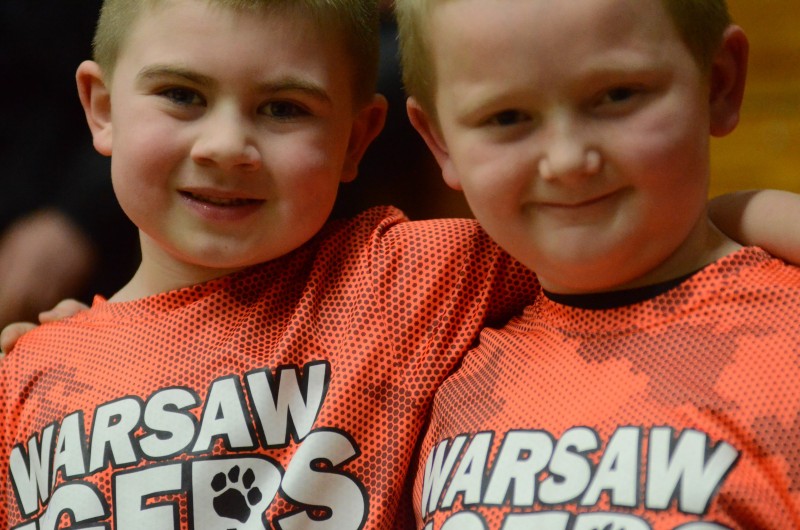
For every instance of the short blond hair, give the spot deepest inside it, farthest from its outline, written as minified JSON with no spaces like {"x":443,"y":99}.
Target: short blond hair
{"x":358,"y":23}
{"x":700,"y":23}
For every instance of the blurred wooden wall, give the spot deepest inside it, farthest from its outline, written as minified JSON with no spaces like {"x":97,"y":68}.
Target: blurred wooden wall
{"x":764,"y":151}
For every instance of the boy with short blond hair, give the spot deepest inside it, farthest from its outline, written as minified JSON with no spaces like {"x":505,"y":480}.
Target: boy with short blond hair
{"x":654,"y":381}
{"x":355,"y":20}
{"x":217,"y":391}
{"x":419,"y":70}
{"x":260,"y":370}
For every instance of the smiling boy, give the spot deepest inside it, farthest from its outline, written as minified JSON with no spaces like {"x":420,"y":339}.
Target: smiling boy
{"x":228,"y":149}
{"x":654,"y":383}
{"x":288,"y":393}
{"x":259,"y":370}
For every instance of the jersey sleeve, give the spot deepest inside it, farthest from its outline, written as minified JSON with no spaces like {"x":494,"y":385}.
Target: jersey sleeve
{"x":451,"y":262}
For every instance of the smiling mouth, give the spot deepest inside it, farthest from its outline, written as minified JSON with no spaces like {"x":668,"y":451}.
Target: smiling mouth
{"x":576,"y":205}
{"x":220,"y":201}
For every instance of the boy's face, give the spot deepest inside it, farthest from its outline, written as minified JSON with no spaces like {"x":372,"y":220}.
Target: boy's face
{"x":577,"y":130}
{"x":230,"y":132}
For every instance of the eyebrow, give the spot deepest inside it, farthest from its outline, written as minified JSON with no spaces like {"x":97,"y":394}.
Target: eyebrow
{"x":282,"y":84}
{"x":157,"y":71}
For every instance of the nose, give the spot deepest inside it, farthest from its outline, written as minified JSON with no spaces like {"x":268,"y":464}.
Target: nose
{"x":568,"y":154}
{"x":225,"y":140}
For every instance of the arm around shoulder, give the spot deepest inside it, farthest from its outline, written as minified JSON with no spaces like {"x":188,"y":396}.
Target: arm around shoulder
{"x":13,"y":332}
{"x":769,"y":219}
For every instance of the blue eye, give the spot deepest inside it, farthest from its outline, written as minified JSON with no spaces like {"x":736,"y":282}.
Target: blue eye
{"x":508,"y":117}
{"x":619,"y":94}
{"x":182,"y":96}
{"x":283,"y":110}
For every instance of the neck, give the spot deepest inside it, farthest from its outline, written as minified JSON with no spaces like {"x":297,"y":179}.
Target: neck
{"x":160,"y":272}
{"x":703,"y":245}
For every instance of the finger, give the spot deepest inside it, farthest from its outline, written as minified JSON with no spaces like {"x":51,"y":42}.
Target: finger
{"x":11,"y":334}
{"x":62,"y":310}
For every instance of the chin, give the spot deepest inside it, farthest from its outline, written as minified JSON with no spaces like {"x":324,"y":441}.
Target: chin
{"x":582,"y":270}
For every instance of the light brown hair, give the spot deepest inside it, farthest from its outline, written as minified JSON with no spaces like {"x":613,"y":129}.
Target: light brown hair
{"x":357,"y":21}
{"x":700,"y":23}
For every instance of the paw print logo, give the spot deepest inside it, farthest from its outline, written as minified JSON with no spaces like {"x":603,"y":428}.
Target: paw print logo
{"x":236,"y":494}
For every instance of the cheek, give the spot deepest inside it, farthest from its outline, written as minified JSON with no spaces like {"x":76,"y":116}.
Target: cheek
{"x":667,"y":147}
{"x":305,"y":171}
{"x":495,"y":175}
{"x":302,"y":176}
{"x":668,"y":164}
{"x":678,"y":128}
{"x":146,"y":141}
{"x":143,"y":166}
{"x":135,"y":188}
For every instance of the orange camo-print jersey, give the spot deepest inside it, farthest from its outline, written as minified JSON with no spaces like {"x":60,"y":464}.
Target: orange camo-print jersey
{"x":288,"y":395}
{"x":681,"y":411}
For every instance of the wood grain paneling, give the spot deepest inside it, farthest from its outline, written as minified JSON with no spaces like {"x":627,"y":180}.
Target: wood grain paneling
{"x":764,"y":151}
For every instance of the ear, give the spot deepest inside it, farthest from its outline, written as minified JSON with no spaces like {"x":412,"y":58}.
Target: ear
{"x":367,"y":125}
{"x":728,"y":76}
{"x":96,"y":100}
{"x":428,"y":128}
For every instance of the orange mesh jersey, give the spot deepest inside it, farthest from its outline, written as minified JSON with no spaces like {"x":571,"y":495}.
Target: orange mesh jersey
{"x":678,"y":412}
{"x":288,"y":395}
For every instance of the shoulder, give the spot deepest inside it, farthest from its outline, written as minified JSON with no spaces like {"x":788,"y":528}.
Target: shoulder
{"x":385,"y":221}
{"x":751,"y":285}
{"x":761,"y":267}
{"x":388,"y":231}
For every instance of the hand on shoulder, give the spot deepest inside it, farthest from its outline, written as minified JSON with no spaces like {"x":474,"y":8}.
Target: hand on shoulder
{"x":12,"y":333}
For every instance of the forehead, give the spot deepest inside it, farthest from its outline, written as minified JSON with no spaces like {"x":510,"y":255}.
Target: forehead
{"x":207,"y":36}
{"x":524,"y":43}
{"x":164,"y":17}
{"x":546,"y":27}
